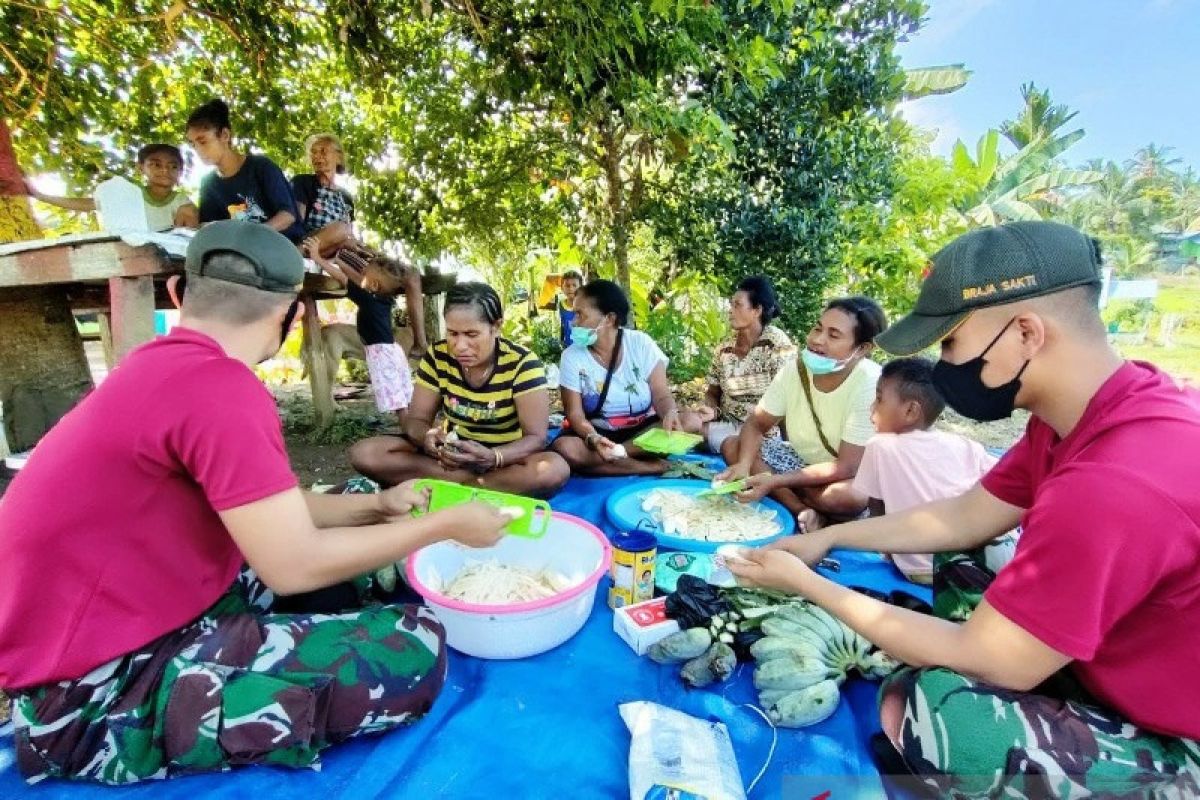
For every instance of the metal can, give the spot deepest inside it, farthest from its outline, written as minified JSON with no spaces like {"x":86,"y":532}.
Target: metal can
{"x":632,"y":570}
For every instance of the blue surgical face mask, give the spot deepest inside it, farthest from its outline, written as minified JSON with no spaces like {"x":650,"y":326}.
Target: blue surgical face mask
{"x":583,"y":337}
{"x":818,"y":364}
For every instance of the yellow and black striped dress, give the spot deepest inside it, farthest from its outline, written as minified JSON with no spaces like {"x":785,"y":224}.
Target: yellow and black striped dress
{"x":488,"y":414}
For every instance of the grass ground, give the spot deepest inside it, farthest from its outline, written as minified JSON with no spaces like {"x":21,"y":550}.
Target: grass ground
{"x":1180,"y":296}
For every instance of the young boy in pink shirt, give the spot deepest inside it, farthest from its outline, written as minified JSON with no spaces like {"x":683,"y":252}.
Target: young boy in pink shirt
{"x":907,"y":463}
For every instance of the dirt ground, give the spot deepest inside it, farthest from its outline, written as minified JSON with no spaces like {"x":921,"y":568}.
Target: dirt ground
{"x":317,"y":463}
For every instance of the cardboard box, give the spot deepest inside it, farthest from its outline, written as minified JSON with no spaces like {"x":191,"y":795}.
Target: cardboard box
{"x":643,"y":624}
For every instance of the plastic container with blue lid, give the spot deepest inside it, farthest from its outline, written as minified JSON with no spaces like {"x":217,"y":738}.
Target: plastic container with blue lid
{"x":632,"y":568}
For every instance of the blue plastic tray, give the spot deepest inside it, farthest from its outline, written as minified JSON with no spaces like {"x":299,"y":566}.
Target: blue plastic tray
{"x":624,"y":508}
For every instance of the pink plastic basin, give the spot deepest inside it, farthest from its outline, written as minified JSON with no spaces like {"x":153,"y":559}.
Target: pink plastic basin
{"x":571,"y":546}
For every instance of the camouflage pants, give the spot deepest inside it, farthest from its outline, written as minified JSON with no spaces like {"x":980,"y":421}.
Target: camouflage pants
{"x":960,"y":579}
{"x":237,"y":686}
{"x":967,"y":739}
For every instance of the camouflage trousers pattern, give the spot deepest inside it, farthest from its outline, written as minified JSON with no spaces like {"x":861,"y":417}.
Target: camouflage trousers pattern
{"x":966,"y":739}
{"x":237,"y":686}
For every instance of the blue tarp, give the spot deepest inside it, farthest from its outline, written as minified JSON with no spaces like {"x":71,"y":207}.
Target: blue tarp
{"x":548,"y":726}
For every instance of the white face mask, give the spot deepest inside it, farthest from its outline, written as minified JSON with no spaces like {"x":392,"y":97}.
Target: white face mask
{"x":818,"y":364}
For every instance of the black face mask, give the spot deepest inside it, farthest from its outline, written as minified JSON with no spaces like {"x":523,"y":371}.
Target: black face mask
{"x":964,"y":390}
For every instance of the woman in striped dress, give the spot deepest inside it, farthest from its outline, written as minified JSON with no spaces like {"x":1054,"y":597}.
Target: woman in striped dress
{"x":479,"y":411}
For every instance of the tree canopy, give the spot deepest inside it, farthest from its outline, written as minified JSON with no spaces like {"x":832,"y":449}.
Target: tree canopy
{"x":721,"y":135}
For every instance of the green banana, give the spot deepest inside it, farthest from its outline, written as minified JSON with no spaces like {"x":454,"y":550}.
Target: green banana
{"x":788,"y":672}
{"x":770,"y":647}
{"x":681,"y":646}
{"x":806,"y":706}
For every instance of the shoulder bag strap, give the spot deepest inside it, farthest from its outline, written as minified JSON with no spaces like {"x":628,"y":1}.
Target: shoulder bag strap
{"x":813,"y":409}
{"x":608,"y":376}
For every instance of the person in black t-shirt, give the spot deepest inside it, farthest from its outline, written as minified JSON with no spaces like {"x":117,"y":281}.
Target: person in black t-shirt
{"x":243,"y":186}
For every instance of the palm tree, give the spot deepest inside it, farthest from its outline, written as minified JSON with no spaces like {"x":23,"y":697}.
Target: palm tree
{"x":1185,"y":215}
{"x":1154,"y":162}
{"x":1129,"y":255}
{"x":1039,"y":119}
{"x":1111,"y":204}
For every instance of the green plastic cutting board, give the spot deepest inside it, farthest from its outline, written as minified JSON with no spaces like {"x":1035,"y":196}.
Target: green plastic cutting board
{"x":657,"y":440}
{"x":533,"y":524}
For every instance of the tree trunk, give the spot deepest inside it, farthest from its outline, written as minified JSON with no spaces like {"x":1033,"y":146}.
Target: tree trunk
{"x":43,"y":369}
{"x":618,"y":211}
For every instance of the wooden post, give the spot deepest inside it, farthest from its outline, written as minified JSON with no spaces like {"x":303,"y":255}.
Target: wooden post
{"x":132,"y":313}
{"x":104,"y":322}
{"x":316,"y":357}
{"x":434,"y":284}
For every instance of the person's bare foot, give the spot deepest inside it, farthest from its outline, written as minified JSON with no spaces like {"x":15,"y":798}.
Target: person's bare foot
{"x":810,"y":520}
{"x":417,"y":351}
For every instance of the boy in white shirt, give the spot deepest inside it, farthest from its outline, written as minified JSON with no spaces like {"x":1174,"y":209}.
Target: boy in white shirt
{"x":907,"y":463}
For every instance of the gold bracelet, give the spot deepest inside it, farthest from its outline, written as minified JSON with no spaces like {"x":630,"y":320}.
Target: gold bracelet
{"x":499,"y":458}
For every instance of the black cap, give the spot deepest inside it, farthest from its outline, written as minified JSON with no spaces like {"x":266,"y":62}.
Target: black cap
{"x":992,"y":267}
{"x":278,"y":265}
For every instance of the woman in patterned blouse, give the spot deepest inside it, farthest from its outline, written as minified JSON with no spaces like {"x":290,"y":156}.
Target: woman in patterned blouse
{"x":743,"y":366}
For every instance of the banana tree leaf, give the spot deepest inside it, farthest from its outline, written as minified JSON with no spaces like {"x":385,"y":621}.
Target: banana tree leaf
{"x":962,"y":162}
{"x":1014,"y":210}
{"x":928,"y":81}
{"x":983,"y":215}
{"x":987,"y":155}
{"x":1054,"y":179}
{"x":1032,"y":159}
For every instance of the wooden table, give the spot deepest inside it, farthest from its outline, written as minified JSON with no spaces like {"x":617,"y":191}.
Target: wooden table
{"x":43,"y":369}
{"x":100,"y":261}
{"x":97,"y":272}
{"x":124,"y":284}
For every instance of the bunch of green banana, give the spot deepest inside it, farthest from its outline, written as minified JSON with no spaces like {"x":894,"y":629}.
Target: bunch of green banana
{"x":803,"y":659}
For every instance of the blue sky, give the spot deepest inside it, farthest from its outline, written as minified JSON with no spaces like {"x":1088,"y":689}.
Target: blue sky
{"x":1131,"y":68}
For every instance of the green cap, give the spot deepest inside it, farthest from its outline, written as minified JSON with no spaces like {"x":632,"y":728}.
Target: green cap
{"x":278,"y":265}
{"x":992,"y":267}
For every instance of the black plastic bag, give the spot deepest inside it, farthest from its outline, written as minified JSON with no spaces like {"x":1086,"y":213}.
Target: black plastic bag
{"x":694,"y":602}
{"x":897,"y":598}
{"x":742,"y":641}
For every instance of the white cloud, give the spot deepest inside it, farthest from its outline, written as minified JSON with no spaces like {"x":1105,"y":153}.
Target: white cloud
{"x":932,"y":116}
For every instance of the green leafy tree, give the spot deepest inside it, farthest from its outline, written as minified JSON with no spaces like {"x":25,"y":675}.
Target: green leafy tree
{"x":890,"y":256}
{"x":815,"y":143}
{"x":86,"y":83}
{"x":1040,"y":119}
{"x":728,"y":137}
